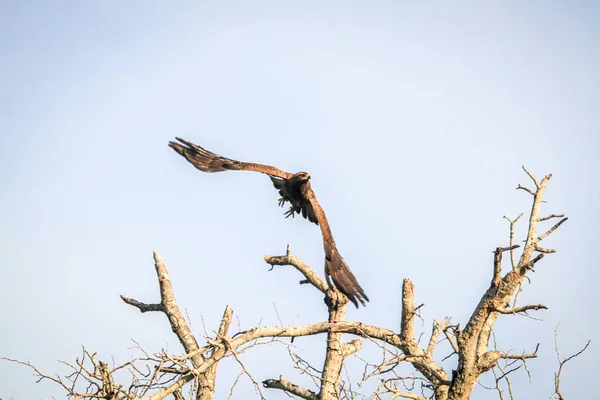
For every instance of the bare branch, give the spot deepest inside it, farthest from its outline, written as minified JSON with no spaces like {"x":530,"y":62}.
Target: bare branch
{"x":549,"y":231}
{"x":512,"y":237}
{"x":287,"y":386}
{"x":168,"y":305}
{"x":543,"y":250}
{"x":352,"y":347}
{"x":311,"y":276}
{"x":513,"y":221}
{"x":497,"y":278}
{"x":225,"y":321}
{"x":243,"y":366}
{"x":425,"y":365}
{"x":561,"y":363}
{"x":143,"y":307}
{"x":537,"y":185}
{"x":95,"y":376}
{"x":408,"y":313}
{"x":208,"y":380}
{"x":179,"y":326}
{"x":438,"y":328}
{"x":504,"y":376}
{"x":178,"y":396}
{"x":398,"y":394}
{"x":521,"y":309}
{"x":304,"y":367}
{"x":451,"y":339}
{"x":525,"y":189}
{"x":521,"y":356}
{"x":529,"y":266}
{"x":551,"y":216}
{"x":531,"y":240}
{"x":41,"y":376}
{"x":355,"y":328}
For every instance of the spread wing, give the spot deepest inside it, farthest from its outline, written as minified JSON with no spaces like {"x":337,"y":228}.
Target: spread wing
{"x":207,"y":161}
{"x":335,"y":266}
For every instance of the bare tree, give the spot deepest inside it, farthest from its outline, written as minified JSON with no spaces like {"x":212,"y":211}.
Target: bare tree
{"x":193,"y":373}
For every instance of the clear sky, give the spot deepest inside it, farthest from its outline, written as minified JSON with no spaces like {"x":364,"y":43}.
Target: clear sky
{"x":413,"y":120}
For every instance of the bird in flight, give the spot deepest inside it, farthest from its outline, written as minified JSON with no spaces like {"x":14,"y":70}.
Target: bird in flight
{"x":295,"y":189}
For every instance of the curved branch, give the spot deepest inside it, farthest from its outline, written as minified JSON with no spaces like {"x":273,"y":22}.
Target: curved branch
{"x":561,"y":363}
{"x":355,"y":328}
{"x":311,"y":276}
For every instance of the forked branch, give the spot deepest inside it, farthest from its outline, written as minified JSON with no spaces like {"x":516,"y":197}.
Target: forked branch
{"x":473,"y":342}
{"x":561,"y":363}
{"x":311,"y":276}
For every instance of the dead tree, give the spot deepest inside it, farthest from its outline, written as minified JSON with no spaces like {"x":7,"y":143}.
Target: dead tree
{"x":193,"y":373}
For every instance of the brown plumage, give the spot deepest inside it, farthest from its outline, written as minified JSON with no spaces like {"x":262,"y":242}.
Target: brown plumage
{"x":293,"y":188}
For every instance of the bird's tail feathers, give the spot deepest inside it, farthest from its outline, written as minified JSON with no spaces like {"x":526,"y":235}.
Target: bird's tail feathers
{"x":344,"y":279}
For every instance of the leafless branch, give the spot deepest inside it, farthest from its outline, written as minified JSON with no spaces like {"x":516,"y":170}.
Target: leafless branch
{"x":537,"y":185}
{"x":425,"y":365}
{"x":561,"y":363}
{"x":504,"y":376}
{"x":179,"y":325}
{"x":285,"y":385}
{"x":311,"y":276}
{"x":91,"y":379}
{"x":438,"y":328}
{"x":521,"y":309}
{"x":398,"y":394}
{"x":243,"y":366}
{"x":551,"y":216}
{"x":497,"y":278}
{"x":531,"y":241}
{"x":451,"y":339}
{"x":526,"y":189}
{"x":549,"y":231}
{"x":521,"y":356}
{"x":543,"y":250}
{"x":143,"y":307}
{"x":305,"y":368}
{"x":512,"y":237}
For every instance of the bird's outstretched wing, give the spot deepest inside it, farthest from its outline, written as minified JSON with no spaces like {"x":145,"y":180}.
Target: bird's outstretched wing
{"x":207,"y":161}
{"x":288,"y":186}
{"x":335,"y":266}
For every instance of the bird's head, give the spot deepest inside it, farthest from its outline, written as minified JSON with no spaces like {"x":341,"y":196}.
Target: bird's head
{"x":302,"y":176}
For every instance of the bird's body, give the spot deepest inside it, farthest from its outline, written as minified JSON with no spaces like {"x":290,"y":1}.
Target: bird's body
{"x":295,"y":189}
{"x":291,"y":190}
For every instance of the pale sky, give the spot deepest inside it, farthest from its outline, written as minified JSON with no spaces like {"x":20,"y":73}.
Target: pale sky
{"x":413,"y":120}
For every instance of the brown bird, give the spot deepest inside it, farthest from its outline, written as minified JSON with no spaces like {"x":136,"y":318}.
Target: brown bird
{"x":293,"y":188}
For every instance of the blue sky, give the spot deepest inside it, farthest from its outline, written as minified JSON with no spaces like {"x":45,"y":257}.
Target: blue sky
{"x":413,"y":120}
